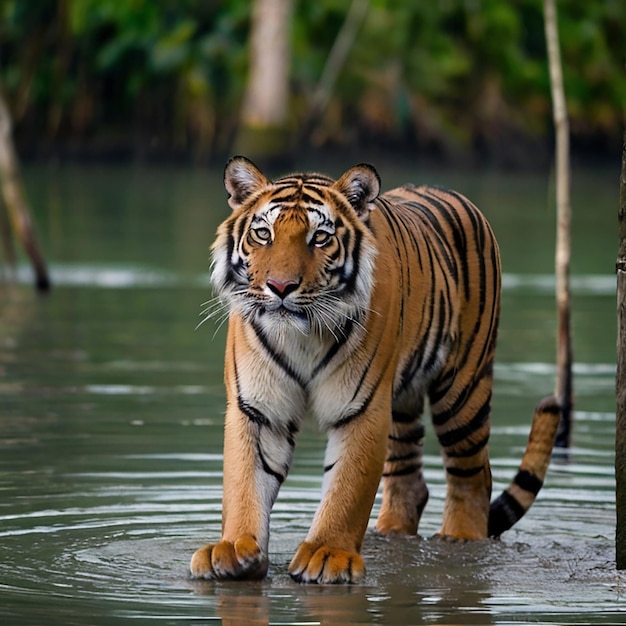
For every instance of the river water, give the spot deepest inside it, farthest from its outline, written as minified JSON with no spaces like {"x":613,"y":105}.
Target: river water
{"x":111,"y":409}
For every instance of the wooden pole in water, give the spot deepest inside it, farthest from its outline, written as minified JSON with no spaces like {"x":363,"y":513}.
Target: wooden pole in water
{"x":563,"y":389}
{"x":620,"y":381}
{"x":15,"y":200}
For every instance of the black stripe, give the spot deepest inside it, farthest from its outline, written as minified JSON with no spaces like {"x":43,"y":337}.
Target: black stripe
{"x":406,"y":229}
{"x":411,"y":437}
{"x":402,"y":457}
{"x":466,"y":453}
{"x":349,"y":417}
{"x":359,"y":411}
{"x":439,"y":419}
{"x":230,"y":246}
{"x":267,"y":469}
{"x":337,"y":270}
{"x":308,"y":198}
{"x":481,"y":235}
{"x":349,"y":281}
{"x":366,"y":370}
{"x":345,"y":333}
{"x":243,"y":226}
{"x":402,"y":418}
{"x":528,"y":481}
{"x":442,"y":323}
{"x":464,"y":472}
{"x":457,"y":435}
{"x":258,"y":418}
{"x":321,"y":215}
{"x":444,"y":382}
{"x":252,"y":413}
{"x":450,"y":214}
{"x":405,"y":471}
{"x":462,"y":231}
{"x":390,"y":213}
{"x":404,"y":232}
{"x":401,"y":233}
{"x":412,"y":366}
{"x":503,"y":513}
{"x":255,"y":416}
{"x":486,"y":292}
{"x":435,"y":345}
{"x":292,"y":430}
{"x":234,"y":271}
{"x":440,"y":238}
{"x":275,"y":356}
{"x":287,"y":198}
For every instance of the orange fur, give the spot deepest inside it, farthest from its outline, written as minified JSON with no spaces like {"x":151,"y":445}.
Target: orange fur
{"x":353,"y":308}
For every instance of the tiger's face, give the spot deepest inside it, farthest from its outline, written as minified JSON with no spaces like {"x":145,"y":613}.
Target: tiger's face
{"x":296,"y":253}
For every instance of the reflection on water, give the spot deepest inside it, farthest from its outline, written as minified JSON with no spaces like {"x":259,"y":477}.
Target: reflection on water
{"x":111,"y":410}
{"x":132,"y":277}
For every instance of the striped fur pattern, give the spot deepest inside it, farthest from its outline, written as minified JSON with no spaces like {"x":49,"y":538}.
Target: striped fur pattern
{"x":353,"y":308}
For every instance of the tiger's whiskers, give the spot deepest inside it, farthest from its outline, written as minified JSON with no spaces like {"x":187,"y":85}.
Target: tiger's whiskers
{"x":327,"y":314}
{"x":216,"y":309}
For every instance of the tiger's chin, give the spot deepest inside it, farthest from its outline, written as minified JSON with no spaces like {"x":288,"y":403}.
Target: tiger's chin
{"x":277,"y":319}
{"x":281,"y":321}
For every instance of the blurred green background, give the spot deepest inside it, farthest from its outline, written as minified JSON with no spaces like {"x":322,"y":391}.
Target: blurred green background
{"x":452,"y":79}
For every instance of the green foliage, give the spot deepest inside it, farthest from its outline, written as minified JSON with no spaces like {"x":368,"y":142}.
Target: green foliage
{"x":448,"y":72}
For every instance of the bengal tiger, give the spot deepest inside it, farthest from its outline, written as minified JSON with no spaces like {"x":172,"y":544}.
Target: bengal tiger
{"x":350,"y":307}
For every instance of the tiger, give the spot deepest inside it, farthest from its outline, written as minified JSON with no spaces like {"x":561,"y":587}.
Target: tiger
{"x":350,"y":308}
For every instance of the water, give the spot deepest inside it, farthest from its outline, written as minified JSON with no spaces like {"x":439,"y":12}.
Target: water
{"x":111,"y":408}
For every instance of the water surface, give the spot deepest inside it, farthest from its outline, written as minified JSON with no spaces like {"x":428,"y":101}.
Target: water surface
{"x":111,"y":413}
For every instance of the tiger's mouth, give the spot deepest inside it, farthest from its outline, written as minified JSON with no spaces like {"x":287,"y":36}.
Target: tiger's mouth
{"x":282,"y":311}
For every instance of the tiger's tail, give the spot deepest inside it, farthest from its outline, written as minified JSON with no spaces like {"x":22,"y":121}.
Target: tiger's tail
{"x":517,"y":498}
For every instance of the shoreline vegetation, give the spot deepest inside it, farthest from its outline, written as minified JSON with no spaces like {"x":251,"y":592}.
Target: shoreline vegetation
{"x":524,"y":155}
{"x":171,"y":81}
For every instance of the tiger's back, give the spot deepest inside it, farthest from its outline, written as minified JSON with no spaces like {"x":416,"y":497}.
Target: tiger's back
{"x":448,"y":264}
{"x":353,"y":308}
{"x":448,"y":274}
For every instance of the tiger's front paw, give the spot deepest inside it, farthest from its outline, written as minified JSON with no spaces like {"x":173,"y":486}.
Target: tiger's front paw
{"x":226,"y":560}
{"x":322,"y":564}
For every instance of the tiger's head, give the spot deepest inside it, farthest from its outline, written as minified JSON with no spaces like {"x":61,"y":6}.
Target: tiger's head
{"x":296,"y":253}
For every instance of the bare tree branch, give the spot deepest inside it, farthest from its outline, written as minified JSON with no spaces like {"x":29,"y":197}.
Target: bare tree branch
{"x":562,"y":257}
{"x":337,"y":57}
{"x":15,"y":201}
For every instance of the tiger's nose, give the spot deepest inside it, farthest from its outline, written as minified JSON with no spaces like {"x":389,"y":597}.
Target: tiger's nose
{"x":282,"y":288}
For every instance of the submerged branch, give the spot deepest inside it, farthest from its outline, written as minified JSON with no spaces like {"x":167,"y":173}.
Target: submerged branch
{"x":15,"y":201}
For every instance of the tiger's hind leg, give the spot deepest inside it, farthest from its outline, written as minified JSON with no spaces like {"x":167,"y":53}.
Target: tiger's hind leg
{"x":461,"y":417}
{"x":404,"y":490}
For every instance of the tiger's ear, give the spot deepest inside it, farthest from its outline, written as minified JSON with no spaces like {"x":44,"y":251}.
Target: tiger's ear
{"x":360,"y":185}
{"x":241,"y":179}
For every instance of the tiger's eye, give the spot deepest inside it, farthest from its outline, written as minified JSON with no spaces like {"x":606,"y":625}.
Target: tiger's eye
{"x":261,"y":235}
{"x":321,"y":237}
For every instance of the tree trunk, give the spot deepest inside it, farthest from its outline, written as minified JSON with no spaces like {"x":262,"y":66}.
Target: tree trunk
{"x":6,"y":236}
{"x":264,"y":128}
{"x":563,"y":389}
{"x":15,"y":201}
{"x":620,"y":381}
